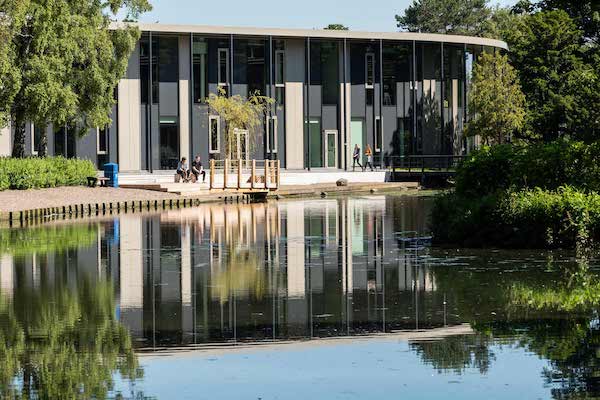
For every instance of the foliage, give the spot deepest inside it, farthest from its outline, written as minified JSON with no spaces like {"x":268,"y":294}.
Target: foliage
{"x":239,"y":112}
{"x":65,"y":62}
{"x":46,"y":239}
{"x":546,"y":49}
{"x":33,"y":173}
{"x":337,"y":27}
{"x":564,"y":218}
{"x":496,"y":103}
{"x":586,"y":13}
{"x":445,"y":16}
{"x":548,"y":166}
{"x":63,"y":343}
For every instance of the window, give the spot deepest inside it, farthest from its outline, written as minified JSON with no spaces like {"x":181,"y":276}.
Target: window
{"x":280,"y":96}
{"x":223,"y":72}
{"x":214,"y":137}
{"x":369,"y":70}
{"x":102,"y":141}
{"x":378,"y":134}
{"x":272,"y":134}
{"x":144,"y":67}
{"x":199,"y":69}
{"x":36,"y":137}
{"x":330,"y":72}
{"x":279,"y":68}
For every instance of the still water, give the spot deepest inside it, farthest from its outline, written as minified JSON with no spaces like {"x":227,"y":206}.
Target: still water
{"x":338,"y":298}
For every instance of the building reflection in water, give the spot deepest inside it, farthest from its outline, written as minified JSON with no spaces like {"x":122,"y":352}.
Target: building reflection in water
{"x":253,"y":272}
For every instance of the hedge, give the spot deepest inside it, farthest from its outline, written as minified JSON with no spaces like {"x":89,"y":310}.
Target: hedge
{"x":35,"y":172}
{"x":534,"y":218}
{"x":547,"y":166}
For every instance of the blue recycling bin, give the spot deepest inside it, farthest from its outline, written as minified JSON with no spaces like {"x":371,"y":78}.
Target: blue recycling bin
{"x":111,"y":172}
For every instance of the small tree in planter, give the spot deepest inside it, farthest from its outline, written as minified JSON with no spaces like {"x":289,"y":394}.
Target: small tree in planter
{"x":239,"y":112}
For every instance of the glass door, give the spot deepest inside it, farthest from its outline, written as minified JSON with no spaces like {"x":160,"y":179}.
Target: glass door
{"x":330,"y":148}
{"x":241,"y":146}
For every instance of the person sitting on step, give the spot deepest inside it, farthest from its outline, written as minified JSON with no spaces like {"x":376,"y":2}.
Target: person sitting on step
{"x":183,"y":169}
{"x":197,"y":169}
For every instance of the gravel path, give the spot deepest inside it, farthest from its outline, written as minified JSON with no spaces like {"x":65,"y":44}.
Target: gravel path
{"x":16,"y":200}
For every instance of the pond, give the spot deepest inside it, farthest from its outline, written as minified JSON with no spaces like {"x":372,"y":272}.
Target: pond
{"x":321,"y":298}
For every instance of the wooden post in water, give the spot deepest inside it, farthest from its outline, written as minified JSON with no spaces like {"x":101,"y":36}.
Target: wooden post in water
{"x":253,"y":174}
{"x":212,"y":174}
{"x":239,"y":174}
{"x":225,"y":170}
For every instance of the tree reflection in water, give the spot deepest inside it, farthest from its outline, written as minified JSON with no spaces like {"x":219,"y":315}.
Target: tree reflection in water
{"x":553,"y":314}
{"x":63,"y":343}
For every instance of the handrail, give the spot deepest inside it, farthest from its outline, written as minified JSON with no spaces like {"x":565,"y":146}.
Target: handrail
{"x":421,"y":163}
{"x":270,"y":179}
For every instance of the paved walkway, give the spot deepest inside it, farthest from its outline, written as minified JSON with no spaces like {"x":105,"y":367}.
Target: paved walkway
{"x":17,"y":200}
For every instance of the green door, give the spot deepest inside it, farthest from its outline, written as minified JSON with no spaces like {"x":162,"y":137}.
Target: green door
{"x":357,"y":128}
{"x":316,"y":144}
{"x":331,"y":148}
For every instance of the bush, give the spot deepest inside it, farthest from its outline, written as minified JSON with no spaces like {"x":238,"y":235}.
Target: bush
{"x":535,"y":218}
{"x":547,"y":166}
{"x":33,"y":173}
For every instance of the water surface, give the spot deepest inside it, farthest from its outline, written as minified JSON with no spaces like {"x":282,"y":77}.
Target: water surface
{"x":331,"y":298}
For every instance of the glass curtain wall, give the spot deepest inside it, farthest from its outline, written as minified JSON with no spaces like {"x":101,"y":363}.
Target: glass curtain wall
{"x":168,"y":95}
{"x":429,"y":99}
{"x":398,"y":98}
{"x":159,"y":76}
{"x":454,"y":99}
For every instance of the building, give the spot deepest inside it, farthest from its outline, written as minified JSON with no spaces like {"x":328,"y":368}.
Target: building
{"x":402,"y":93}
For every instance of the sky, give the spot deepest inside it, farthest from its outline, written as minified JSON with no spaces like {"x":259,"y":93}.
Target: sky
{"x":365,"y":15}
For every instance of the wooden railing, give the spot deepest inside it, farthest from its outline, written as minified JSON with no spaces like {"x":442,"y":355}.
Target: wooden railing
{"x":250,"y":174}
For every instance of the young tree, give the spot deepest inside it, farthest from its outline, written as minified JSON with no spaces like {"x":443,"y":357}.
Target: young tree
{"x":445,"y":16}
{"x":337,"y":27}
{"x":67,"y":62}
{"x":496,"y":103}
{"x":239,"y":112}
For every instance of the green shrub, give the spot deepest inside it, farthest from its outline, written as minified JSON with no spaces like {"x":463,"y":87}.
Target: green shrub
{"x":547,"y":166}
{"x":535,"y":218}
{"x":34,"y":173}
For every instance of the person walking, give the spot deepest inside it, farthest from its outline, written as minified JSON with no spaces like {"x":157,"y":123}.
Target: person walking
{"x":356,"y":158}
{"x":369,"y":154}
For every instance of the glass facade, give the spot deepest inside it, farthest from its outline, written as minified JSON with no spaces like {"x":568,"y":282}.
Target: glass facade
{"x":403,"y":98}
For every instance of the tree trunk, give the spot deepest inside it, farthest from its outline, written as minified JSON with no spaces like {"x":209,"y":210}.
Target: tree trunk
{"x":19,"y":140}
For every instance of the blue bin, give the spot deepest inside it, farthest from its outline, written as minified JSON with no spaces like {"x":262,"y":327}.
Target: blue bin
{"x":111,"y":171}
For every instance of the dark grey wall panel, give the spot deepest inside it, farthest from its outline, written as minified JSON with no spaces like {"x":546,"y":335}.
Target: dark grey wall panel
{"x":315,"y":100}
{"x":168,"y":93}
{"x":390,"y":123}
{"x":280,"y":113}
{"x":86,"y":147}
{"x":294,"y":60}
{"x":330,"y":117}
{"x":200,"y":132}
{"x":113,"y":141}
{"x":358,"y":101}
